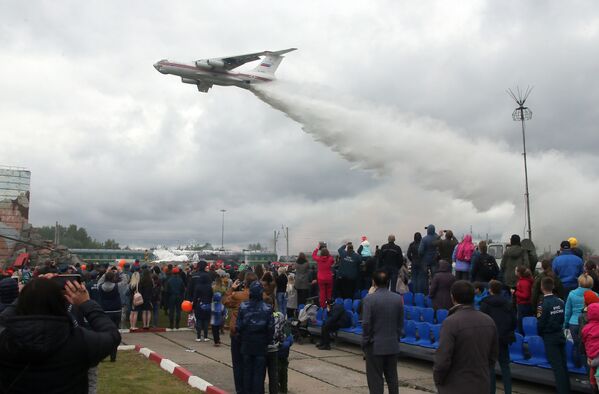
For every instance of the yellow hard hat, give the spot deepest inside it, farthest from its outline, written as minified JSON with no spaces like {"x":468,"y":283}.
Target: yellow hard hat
{"x":573,"y":242}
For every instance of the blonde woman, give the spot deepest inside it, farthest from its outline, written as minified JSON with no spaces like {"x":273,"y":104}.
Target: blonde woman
{"x":133,"y":287}
{"x":291,"y":296}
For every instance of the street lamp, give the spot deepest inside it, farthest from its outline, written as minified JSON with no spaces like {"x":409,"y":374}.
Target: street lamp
{"x":523,"y":114}
{"x":222,"y":238}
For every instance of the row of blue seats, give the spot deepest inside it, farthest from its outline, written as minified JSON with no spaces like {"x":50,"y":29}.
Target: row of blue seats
{"x":428,"y":315}
{"x":417,"y":299}
{"x":538,"y":357}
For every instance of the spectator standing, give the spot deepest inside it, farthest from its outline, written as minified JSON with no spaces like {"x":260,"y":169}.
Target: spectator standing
{"x":272,"y":355}
{"x":441,"y":286}
{"x":574,"y":247}
{"x":255,"y":326}
{"x":283,"y":362}
{"x":574,"y":305}
{"x":391,"y":259}
{"x":235,"y":296}
{"x":133,"y":288}
{"x":41,"y":351}
{"x":202,"y":306}
{"x":568,"y":267}
{"x":537,"y":294}
{"x":447,"y":245}
{"x":513,"y":257}
{"x":175,"y":292}
{"x":523,"y":295}
{"x":281,"y":295}
{"x":348,"y":271}
{"x":590,"y":338}
{"x":590,"y":267}
{"x":463,"y":256}
{"x":428,"y":250}
{"x":218,"y":316}
{"x":291,"y":296}
{"x":9,"y":291}
{"x":110,"y":301}
{"x":156,"y":294}
{"x":419,"y":272}
{"x":302,"y":278}
{"x":382,"y":324}
{"x":337,"y":318}
{"x":531,"y":251}
{"x":324,"y":262}
{"x":146,"y":287}
{"x":468,"y":346}
{"x":269,"y":286}
{"x":550,"y":316}
{"x":484,"y":267}
{"x":500,"y":310}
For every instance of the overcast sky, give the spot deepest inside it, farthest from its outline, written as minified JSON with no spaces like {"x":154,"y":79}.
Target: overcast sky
{"x":135,"y":155}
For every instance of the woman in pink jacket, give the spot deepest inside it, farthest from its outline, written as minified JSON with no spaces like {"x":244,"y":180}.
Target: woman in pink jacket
{"x":325,"y":274}
{"x":590,"y":339}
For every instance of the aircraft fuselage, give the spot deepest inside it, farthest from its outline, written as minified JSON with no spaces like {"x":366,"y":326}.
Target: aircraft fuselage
{"x":193,"y":74}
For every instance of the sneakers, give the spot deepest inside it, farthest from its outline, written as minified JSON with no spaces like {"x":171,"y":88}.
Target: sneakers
{"x":198,"y":339}
{"x":206,"y":339}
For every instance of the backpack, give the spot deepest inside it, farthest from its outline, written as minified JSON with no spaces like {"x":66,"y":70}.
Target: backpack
{"x":137,"y":297}
{"x":488,"y":266}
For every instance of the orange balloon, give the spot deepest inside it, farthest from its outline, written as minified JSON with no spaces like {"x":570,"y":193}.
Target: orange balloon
{"x":122,"y":263}
{"x":186,"y":306}
{"x":83,"y":267}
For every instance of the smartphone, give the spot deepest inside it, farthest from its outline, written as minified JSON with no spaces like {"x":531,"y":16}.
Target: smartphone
{"x":63,"y":279}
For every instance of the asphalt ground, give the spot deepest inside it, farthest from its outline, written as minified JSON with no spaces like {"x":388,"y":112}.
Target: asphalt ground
{"x":340,"y":370}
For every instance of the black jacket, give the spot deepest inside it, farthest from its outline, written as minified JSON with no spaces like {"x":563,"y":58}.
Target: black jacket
{"x":196,"y":278}
{"x":501,"y":311}
{"x":484,"y":268}
{"x":391,"y":257}
{"x":47,"y":354}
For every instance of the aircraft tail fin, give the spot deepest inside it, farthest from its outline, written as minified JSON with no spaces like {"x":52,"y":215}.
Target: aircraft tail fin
{"x":271,"y":61}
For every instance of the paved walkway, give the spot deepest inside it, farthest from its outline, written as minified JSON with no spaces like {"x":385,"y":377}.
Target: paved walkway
{"x":311,"y":370}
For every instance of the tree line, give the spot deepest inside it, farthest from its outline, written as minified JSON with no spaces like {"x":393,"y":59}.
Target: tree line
{"x":75,"y":237}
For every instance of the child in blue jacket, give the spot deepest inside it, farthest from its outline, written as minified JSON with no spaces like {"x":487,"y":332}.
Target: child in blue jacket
{"x":217,"y":319}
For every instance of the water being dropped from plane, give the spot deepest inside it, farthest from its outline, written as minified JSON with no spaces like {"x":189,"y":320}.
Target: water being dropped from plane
{"x":393,"y":143}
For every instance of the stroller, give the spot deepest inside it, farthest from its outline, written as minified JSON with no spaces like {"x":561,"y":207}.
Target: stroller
{"x":299,"y":325}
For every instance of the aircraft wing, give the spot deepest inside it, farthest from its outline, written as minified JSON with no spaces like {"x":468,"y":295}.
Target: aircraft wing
{"x":232,"y":62}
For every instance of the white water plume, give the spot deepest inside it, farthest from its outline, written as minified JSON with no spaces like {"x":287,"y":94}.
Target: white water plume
{"x":433,"y":156}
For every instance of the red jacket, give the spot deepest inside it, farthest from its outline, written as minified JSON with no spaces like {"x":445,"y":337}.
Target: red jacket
{"x":324,"y":263}
{"x":524,"y":290}
{"x":590,"y":332}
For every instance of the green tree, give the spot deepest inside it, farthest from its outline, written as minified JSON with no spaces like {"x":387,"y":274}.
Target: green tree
{"x":255,"y":246}
{"x":75,"y":237}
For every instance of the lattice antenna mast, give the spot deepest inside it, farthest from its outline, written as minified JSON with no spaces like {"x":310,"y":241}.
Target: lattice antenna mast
{"x":523,"y":114}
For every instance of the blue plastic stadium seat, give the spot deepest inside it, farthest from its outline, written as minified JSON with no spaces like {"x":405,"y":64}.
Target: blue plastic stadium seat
{"x":529,"y":325}
{"x":516,"y":349}
{"x":537,"y":352}
{"x":441,"y":315}
{"x":424,"y":334}
{"x":320,"y":317}
{"x":339,"y":300}
{"x":300,"y":307}
{"x":410,"y":333}
{"x":353,"y":322}
{"x":364,"y":293}
{"x":408,"y":299}
{"x":348,"y":304}
{"x":419,"y":300}
{"x":436,"y":332}
{"x":428,"y":315}
{"x":417,"y":313}
{"x":428,"y":302}
{"x":571,"y":367}
{"x":356,"y":305}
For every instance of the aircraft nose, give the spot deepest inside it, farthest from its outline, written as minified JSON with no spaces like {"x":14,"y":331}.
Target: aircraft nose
{"x":157,"y":66}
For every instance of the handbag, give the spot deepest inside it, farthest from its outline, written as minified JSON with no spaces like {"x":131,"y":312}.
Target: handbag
{"x":137,"y":297}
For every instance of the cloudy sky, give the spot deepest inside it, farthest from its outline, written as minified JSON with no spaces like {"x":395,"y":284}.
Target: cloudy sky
{"x":397,"y":118}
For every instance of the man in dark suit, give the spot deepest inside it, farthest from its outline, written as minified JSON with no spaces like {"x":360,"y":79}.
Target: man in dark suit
{"x":382,"y":322}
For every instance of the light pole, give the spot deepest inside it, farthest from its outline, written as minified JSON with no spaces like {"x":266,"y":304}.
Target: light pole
{"x":523,"y":114}
{"x":222,"y":237}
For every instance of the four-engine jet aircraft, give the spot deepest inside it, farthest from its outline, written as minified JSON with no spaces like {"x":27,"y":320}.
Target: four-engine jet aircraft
{"x":217,"y":71}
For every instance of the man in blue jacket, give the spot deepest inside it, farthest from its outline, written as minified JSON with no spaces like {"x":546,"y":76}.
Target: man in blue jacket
{"x":568,"y":267}
{"x":255,"y":326}
{"x":348,"y":271}
{"x":428,"y":250}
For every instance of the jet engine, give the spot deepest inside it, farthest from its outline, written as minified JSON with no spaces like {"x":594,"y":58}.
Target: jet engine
{"x":187,"y":80}
{"x":210,"y":63}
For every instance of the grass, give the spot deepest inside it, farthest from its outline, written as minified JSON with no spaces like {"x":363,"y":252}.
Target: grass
{"x":133,"y":373}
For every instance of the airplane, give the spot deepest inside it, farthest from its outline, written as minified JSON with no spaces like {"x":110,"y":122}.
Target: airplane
{"x":205,"y":73}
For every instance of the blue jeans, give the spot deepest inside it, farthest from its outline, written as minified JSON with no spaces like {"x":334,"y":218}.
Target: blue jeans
{"x":254,"y":372}
{"x":282,"y":303}
{"x":576,"y":337}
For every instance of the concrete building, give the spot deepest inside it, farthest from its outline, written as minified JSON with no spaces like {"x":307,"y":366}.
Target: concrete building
{"x":14,"y":206}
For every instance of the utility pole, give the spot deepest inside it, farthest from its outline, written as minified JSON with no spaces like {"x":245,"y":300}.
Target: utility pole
{"x":523,"y":114}
{"x":222,"y":236}
{"x":287,"y":239}
{"x":276,"y":237}
{"x":56,"y":234}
